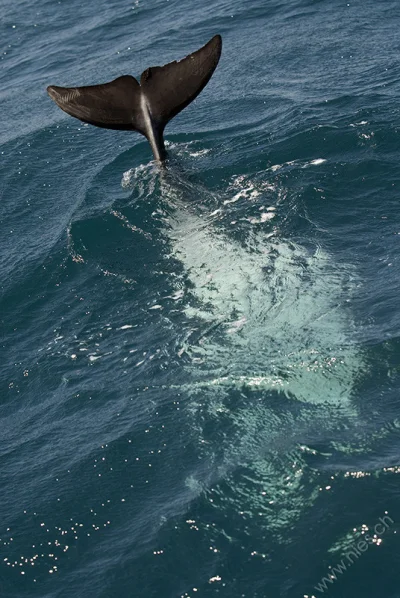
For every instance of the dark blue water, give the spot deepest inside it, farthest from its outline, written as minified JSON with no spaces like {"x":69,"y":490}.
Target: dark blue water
{"x":200,"y":371}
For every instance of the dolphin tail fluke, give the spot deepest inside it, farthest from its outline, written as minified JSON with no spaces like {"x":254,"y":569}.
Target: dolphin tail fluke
{"x":147,"y":107}
{"x":111,"y":105}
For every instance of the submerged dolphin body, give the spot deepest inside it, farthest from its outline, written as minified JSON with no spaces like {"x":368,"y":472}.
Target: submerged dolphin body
{"x":267,"y":365}
{"x":145,"y":107}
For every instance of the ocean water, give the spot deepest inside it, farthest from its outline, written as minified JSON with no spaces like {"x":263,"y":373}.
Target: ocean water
{"x":200,"y":369}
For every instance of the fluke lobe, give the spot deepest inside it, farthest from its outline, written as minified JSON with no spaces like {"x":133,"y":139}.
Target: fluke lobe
{"x":148,"y":106}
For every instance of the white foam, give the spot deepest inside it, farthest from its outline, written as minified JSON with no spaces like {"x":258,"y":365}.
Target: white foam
{"x":276,"y":167}
{"x":94,"y":357}
{"x":202,"y":152}
{"x":315,"y":162}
